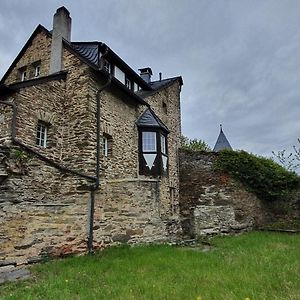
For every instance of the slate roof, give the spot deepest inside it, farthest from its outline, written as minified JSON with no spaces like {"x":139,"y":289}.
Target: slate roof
{"x":222,"y":142}
{"x":151,"y":120}
{"x":158,"y":85}
{"x":88,"y":50}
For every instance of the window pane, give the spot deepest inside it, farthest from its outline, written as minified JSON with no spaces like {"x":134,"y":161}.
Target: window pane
{"x":149,"y":141}
{"x":163,"y":144}
{"x":104,"y":146}
{"x":41,"y":135}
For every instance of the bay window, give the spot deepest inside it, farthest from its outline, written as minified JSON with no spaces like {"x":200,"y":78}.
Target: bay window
{"x":153,"y":150}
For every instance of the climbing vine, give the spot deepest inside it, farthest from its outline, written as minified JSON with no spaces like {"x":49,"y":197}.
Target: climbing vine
{"x":264,"y":177}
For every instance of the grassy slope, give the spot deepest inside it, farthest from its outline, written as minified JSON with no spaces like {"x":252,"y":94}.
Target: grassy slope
{"x":255,"y":265}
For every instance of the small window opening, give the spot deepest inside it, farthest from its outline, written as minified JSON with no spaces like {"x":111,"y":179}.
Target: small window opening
{"x":24,"y":75}
{"x":41,"y":134}
{"x":104,"y":146}
{"x":128,"y":83}
{"x":165,"y":108}
{"x":37,"y":71}
{"x":106,"y":66}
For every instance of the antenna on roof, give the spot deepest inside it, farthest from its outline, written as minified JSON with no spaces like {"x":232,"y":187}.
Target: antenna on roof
{"x":160,"y":76}
{"x":221,"y":127}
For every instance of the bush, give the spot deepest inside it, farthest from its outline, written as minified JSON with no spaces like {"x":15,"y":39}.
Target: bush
{"x":260,"y":175}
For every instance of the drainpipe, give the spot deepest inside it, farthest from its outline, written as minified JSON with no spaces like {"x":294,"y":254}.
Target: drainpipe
{"x":97,"y":178}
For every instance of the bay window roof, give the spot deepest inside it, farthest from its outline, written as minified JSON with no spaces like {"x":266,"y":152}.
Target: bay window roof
{"x":150,"y":120}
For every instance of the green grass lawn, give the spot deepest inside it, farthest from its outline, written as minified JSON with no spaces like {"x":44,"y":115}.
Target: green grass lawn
{"x":256,"y":265}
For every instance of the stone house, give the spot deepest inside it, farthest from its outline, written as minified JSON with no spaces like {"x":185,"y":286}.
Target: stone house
{"x":88,"y":149}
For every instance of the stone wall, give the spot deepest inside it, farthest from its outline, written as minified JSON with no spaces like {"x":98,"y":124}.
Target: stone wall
{"x":211,"y":202}
{"x":38,"y":50}
{"x":42,"y":211}
{"x":46,"y":212}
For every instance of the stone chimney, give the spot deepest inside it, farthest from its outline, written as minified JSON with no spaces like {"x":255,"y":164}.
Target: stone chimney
{"x":61,"y":30}
{"x":146,"y":74}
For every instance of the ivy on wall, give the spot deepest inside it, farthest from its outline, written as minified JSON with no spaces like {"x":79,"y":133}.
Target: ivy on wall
{"x":262,"y":176}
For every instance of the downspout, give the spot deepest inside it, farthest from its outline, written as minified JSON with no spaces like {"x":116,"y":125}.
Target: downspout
{"x":97,"y":178}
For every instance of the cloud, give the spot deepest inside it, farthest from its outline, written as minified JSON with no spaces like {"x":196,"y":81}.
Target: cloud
{"x":240,"y":60}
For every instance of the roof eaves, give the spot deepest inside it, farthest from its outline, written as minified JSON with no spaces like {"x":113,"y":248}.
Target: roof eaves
{"x":39,"y":80}
{"x":6,"y":90}
{"x":145,"y":94}
{"x":129,"y":92}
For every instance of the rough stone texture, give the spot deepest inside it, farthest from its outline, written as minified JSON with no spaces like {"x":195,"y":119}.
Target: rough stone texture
{"x":212,"y":202}
{"x":37,"y":51}
{"x":12,"y":273}
{"x":44,"y":212}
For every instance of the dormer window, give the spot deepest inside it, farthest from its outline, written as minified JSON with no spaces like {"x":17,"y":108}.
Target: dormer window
{"x":153,"y":149}
{"x":128,"y":83}
{"x":107,"y":66}
{"x":135,"y":87}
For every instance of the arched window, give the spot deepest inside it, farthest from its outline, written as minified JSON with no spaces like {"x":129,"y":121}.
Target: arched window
{"x":153,"y":146}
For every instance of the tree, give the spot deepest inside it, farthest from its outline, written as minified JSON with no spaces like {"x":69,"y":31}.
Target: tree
{"x":290,"y":161}
{"x":194,"y":145}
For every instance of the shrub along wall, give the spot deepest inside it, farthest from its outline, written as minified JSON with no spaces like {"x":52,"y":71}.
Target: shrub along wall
{"x":213,"y":200}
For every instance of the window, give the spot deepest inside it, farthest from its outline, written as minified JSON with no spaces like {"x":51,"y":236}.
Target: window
{"x":24,"y":75}
{"x":149,"y":141}
{"x":128,"y":83}
{"x":153,"y":145}
{"x":104,"y":146}
{"x":41,"y":134}
{"x":37,"y":71}
{"x":106,"y":66}
{"x":135,"y":87}
{"x":163,"y":144}
{"x":120,"y":75}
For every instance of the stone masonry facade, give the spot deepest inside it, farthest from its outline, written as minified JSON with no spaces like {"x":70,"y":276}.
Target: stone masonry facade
{"x":213,"y":203}
{"x":45,"y":192}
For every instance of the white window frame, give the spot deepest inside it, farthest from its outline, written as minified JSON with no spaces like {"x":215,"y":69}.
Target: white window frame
{"x":24,"y":75}
{"x":104,"y":146}
{"x":41,"y":135}
{"x":135,"y":87}
{"x":37,"y":71}
{"x":149,"y":142}
{"x":163,"y":144}
{"x":128,"y":83}
{"x":119,"y":74}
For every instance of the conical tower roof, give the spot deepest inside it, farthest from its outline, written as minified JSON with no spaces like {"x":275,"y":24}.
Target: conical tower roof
{"x":222,"y":142}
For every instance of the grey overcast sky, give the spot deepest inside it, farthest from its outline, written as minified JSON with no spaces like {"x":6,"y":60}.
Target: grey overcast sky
{"x":239,"y":59}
